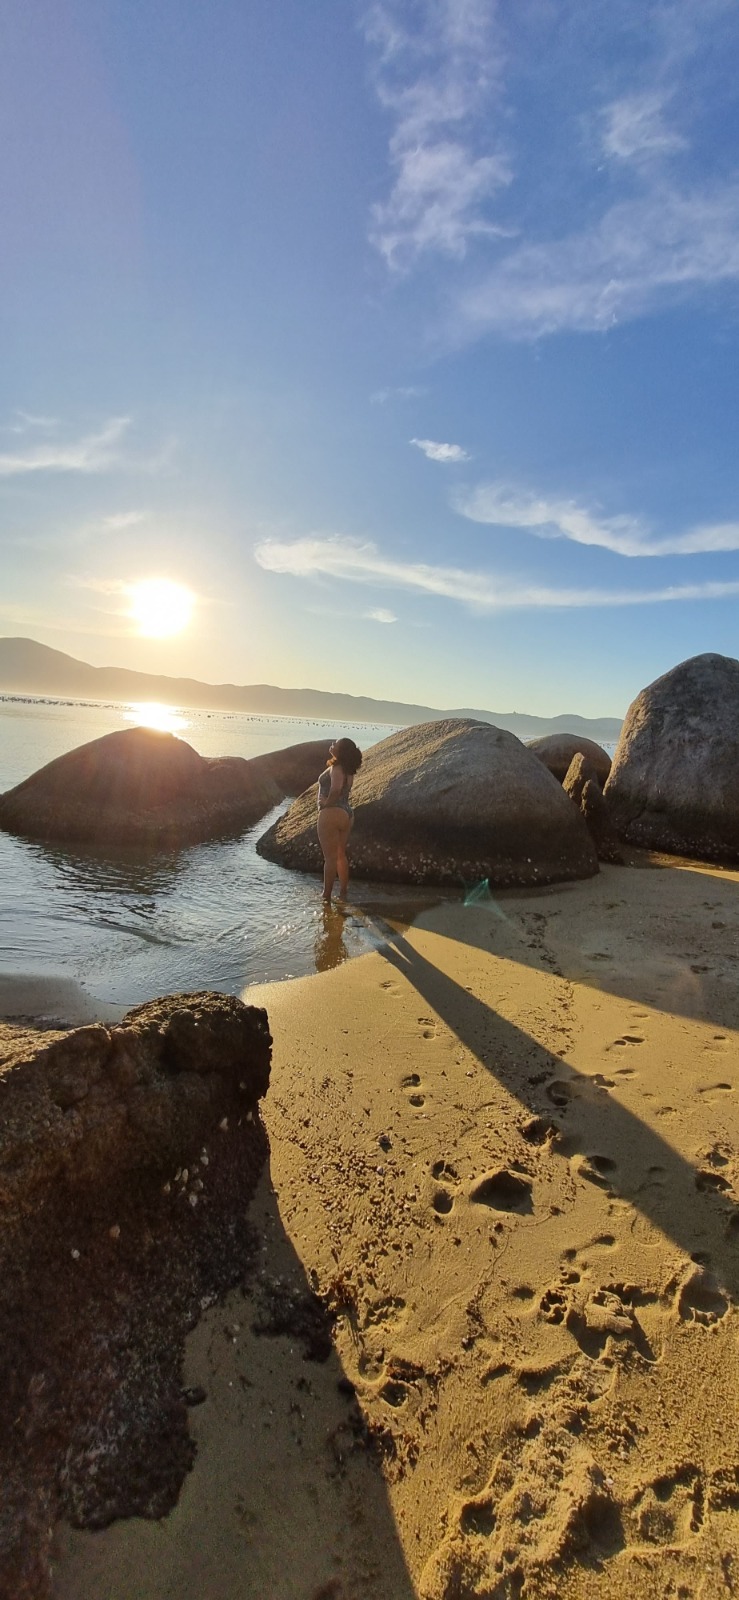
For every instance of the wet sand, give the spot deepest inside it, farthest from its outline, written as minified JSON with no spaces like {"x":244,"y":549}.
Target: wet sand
{"x":505,"y":1149}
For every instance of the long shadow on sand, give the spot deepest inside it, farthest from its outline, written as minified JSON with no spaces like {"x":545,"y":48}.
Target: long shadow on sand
{"x":287,"y":1499}
{"x":661,"y":959}
{"x":691,"y":1205}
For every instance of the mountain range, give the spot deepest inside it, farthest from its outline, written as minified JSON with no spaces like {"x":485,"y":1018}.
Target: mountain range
{"x":30,"y":668}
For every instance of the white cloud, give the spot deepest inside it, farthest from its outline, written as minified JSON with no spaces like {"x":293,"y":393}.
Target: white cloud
{"x":409,"y":391}
{"x":440,"y":452}
{"x":361,"y":562}
{"x":634,"y":128}
{"x":502,"y":507}
{"x":659,"y":248}
{"x":380,"y":615}
{"x":123,"y":519}
{"x":93,"y":453}
{"x":436,"y":81}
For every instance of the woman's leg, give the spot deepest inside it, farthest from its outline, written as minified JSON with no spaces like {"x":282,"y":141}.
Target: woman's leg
{"x":328,"y":840}
{"x":342,"y":864}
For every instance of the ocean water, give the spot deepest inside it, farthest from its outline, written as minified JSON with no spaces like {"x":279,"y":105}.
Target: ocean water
{"x":129,"y":926}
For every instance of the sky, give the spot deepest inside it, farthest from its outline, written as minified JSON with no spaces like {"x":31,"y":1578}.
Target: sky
{"x":402,"y":337}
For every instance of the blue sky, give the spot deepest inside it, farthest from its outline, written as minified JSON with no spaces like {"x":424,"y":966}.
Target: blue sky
{"x":403,"y":335}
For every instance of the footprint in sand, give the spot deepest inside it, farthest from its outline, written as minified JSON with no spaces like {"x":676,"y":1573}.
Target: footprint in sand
{"x":700,"y":1299}
{"x":707,"y":1182}
{"x":625,"y":1040}
{"x":391,"y":987}
{"x":597,"y":1169}
{"x":412,"y":1082}
{"x":561,"y":1093}
{"x":671,"y":1508}
{"x":502,"y":1190}
{"x":716,"y":1089}
{"x":390,"y":1312}
{"x":553,"y":1305}
{"x":478,"y":1516}
{"x":538,"y":1130}
{"x":428,"y":1027}
{"x":717,"y":1046}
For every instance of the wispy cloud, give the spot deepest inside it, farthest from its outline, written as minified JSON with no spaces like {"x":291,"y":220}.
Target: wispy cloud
{"x":95,"y":452}
{"x":642,"y":252}
{"x":123,"y":519}
{"x":408,"y":391}
{"x":441,"y":452}
{"x":634,"y":128}
{"x":361,"y":562}
{"x":380,"y":615}
{"x":436,"y":79}
{"x":503,"y":507}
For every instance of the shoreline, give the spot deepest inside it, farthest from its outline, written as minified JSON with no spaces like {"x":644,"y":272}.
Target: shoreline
{"x":504,"y":1152}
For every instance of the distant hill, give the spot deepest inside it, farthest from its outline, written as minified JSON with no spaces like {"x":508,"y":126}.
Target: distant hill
{"x":30,"y":668}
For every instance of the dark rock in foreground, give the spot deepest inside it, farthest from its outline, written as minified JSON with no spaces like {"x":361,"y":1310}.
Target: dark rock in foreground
{"x":582,"y":786}
{"x":558,"y":751}
{"x":448,"y":803}
{"x":674,"y":784}
{"x":295,"y":768}
{"x":128,"y":1156}
{"x":141,"y":787}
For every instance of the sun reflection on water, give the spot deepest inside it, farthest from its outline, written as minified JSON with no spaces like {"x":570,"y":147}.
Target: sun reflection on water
{"x":149,"y":714}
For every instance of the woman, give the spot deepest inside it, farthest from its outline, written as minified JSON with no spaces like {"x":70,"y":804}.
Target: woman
{"x":335,"y":813}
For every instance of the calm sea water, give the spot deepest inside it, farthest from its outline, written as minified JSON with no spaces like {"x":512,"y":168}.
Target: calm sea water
{"x":215,"y":916}
{"x":129,"y":927}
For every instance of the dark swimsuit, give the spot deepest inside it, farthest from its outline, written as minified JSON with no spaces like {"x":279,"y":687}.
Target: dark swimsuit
{"x":324,"y":789}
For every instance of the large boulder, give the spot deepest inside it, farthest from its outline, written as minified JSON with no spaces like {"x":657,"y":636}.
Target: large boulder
{"x":296,"y":767}
{"x":558,"y":750}
{"x":138,"y":786}
{"x":128,"y":1157}
{"x":674,"y":784}
{"x":448,"y":802}
{"x":582,"y":786}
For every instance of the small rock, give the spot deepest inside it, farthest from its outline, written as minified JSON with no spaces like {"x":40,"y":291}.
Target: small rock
{"x":223,"y":1125}
{"x":194,"y":1396}
{"x":75,"y":1255}
{"x":115,"y":1232}
{"x":193,"y":1199}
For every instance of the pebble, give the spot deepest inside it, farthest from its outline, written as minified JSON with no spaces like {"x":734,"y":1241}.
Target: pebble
{"x":115,"y":1232}
{"x":223,"y":1125}
{"x":166,"y":1188}
{"x":193,"y":1199}
{"x":185,"y":1174}
{"x":75,"y":1255}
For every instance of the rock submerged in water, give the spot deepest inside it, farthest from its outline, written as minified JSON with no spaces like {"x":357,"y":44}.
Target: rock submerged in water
{"x":448,"y":802}
{"x":138,"y":786}
{"x":674,"y":784}
{"x":558,"y":751}
{"x":128,"y":1157}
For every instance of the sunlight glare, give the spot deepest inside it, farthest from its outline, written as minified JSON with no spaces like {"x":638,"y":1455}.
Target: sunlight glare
{"x":160,"y":607}
{"x":152,"y":715}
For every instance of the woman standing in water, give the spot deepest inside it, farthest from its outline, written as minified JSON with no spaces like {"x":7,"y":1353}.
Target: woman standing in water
{"x":335,"y":815}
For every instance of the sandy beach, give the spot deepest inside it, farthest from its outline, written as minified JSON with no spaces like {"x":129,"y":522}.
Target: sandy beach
{"x":504,"y":1148}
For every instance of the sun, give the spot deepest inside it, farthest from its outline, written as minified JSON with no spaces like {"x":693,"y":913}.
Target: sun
{"x":160,"y":608}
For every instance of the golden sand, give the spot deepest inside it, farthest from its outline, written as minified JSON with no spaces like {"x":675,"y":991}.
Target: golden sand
{"x":506,"y":1146}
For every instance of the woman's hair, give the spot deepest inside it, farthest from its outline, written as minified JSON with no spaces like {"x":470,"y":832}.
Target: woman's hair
{"x":348,"y":757}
